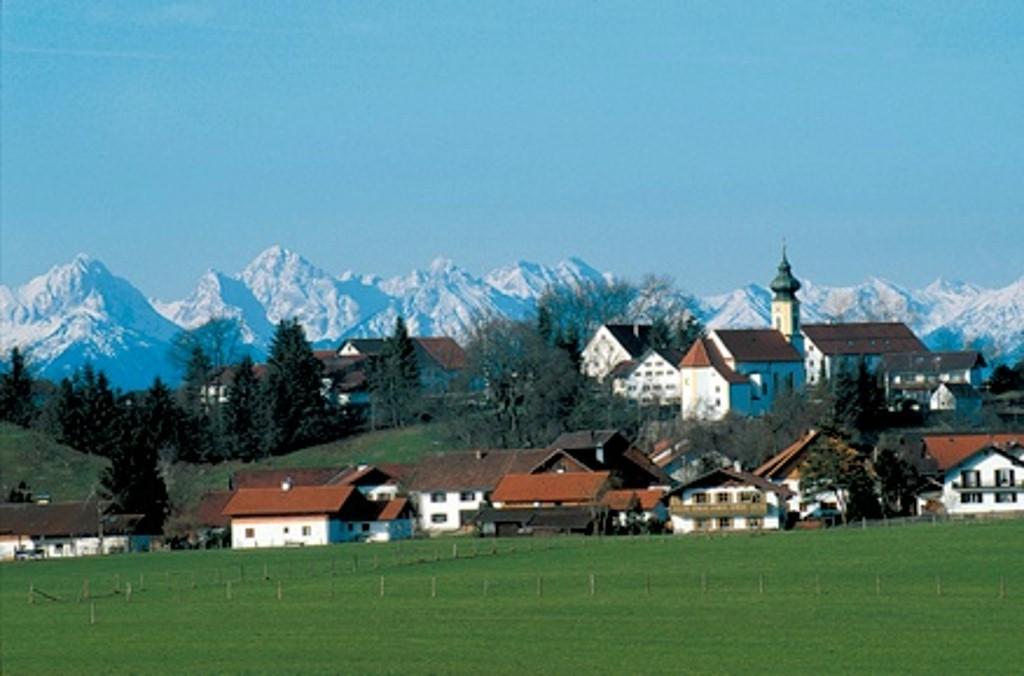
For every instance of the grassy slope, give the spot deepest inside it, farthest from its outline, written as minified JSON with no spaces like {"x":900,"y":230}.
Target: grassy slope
{"x":186,"y":483}
{"x":338,"y":623}
{"x":70,"y":475}
{"x":45,"y":465}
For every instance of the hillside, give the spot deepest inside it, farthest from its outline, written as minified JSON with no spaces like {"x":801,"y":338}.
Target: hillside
{"x":45,"y":465}
{"x":67,"y":474}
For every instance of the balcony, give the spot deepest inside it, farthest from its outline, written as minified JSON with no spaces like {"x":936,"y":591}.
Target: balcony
{"x":990,"y":488}
{"x":716,"y":509}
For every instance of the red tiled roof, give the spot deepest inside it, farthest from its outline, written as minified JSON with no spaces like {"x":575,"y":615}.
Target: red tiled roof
{"x":863,"y":338}
{"x":757,"y":345}
{"x":567,"y":487}
{"x":779,"y":465}
{"x":704,"y":354}
{"x":394,"y":509}
{"x":622,"y":500}
{"x":297,"y":500}
{"x":210,"y":512}
{"x":949,"y":450}
{"x":74,"y":519}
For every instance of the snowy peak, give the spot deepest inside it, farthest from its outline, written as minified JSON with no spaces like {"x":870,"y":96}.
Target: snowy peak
{"x":218,"y":296}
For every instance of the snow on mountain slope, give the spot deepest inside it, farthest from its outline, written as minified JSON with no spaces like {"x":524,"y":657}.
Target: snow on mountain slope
{"x":80,"y":312}
{"x":287,"y":286}
{"x":218,"y":296}
{"x":992,"y":321}
{"x":528,"y":281}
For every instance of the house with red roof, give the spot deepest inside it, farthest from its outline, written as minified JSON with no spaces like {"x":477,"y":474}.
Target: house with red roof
{"x":67,"y":529}
{"x":290,"y":515}
{"x":979,"y":473}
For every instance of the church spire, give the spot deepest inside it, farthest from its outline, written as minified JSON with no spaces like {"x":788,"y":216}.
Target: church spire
{"x":785,"y":305}
{"x":785,"y":285}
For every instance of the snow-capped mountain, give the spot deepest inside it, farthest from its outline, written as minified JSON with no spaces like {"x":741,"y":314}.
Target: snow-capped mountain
{"x":218,"y":296}
{"x":287,"y":285}
{"x":81,"y":312}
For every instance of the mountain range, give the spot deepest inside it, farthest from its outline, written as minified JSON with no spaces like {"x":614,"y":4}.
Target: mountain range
{"x":82,"y":312}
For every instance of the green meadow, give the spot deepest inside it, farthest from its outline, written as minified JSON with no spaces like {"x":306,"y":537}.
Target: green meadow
{"x":886,"y":600}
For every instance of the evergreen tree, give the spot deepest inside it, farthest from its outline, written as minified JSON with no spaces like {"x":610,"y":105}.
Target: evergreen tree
{"x":16,"y":403}
{"x":132,"y":482}
{"x":295,"y":407}
{"x":88,"y":412}
{"x":395,"y":380}
{"x":197,"y":438}
{"x":161,"y":419}
{"x":660,"y":335}
{"x":243,"y":414}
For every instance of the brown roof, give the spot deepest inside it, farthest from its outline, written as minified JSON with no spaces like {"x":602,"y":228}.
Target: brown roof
{"x":474,"y":470}
{"x":632,"y":337}
{"x":725,"y":475}
{"x":448,"y":354}
{"x":622,"y":500}
{"x":297,"y":500}
{"x":567,"y":487}
{"x":932,"y":362}
{"x":393,"y":509}
{"x":863,"y":338}
{"x":757,"y":345}
{"x":949,"y":450}
{"x":704,"y":354}
{"x":779,"y":465}
{"x":210,"y":512}
{"x":74,"y":519}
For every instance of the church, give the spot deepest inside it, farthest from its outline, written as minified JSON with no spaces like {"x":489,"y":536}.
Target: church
{"x":742,"y":370}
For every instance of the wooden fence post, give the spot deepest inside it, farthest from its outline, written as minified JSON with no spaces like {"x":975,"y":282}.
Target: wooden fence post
{"x":382,"y":586}
{"x":938,"y":585}
{"x":92,"y":612}
{"x":31,"y":593}
{"x":433,"y":586}
{"x":279,"y":590}
{"x":593,"y":585}
{"x":127,"y":592}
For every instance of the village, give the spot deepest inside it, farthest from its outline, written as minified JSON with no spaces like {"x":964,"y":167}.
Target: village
{"x":608,"y":481}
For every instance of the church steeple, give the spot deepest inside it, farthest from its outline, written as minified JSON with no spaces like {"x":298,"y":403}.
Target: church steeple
{"x":785,"y":305}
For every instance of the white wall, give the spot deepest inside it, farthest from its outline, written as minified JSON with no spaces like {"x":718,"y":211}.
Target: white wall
{"x":449,"y":509}
{"x":60,"y":548}
{"x":705,"y":394}
{"x":601,"y":354}
{"x":281,"y":531}
{"x":774,"y":518}
{"x":986,"y":463}
{"x":653,"y":381}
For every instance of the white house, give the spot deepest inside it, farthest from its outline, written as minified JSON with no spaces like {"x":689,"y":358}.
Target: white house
{"x":784,"y":469}
{"x":290,"y":515}
{"x":653,"y":378}
{"x":959,"y":397}
{"x":832,"y":348}
{"x":66,"y":529}
{"x":611,"y":345}
{"x":989,"y":480}
{"x":728,"y":499}
{"x":911,"y":377}
{"x":449,"y":489}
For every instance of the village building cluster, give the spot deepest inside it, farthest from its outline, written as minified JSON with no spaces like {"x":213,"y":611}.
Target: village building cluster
{"x":592,"y":482}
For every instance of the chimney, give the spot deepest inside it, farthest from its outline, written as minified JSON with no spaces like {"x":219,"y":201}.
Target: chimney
{"x":636,"y":330}
{"x":480,"y":454}
{"x":286,"y":485}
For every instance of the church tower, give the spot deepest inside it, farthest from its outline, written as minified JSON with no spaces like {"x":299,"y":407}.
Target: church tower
{"x":785,"y":306}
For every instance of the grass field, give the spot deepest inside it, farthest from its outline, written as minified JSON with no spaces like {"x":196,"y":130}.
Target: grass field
{"x":910,"y":599}
{"x":35,"y":458}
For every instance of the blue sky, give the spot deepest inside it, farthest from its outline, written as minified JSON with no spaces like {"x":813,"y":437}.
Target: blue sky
{"x":685,"y":138}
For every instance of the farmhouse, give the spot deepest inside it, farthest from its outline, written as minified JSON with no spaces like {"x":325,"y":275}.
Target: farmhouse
{"x":633,"y":510}
{"x":611,"y":345}
{"x":67,"y":529}
{"x":653,"y":378}
{"x":834,"y":348}
{"x":312,"y":515}
{"x":979,"y":473}
{"x":728,"y":499}
{"x":911,"y":377}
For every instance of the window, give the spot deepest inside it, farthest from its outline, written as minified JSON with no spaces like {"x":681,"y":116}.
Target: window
{"x":350,"y":528}
{"x":724,"y":523}
{"x":970,"y":478}
{"x":754,"y":523}
{"x":1004,"y":477}
{"x":306,"y":530}
{"x":366,"y":527}
{"x":285,"y":529}
{"x":1004,"y":498}
{"x":750,"y":496}
{"x":701,"y":524}
{"x":970,"y":498}
{"x":723,"y":497}
{"x":438,"y":497}
{"x":438,"y":518}
{"x":700,"y":498}
{"x":467,"y":496}
{"x":250,"y":533}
